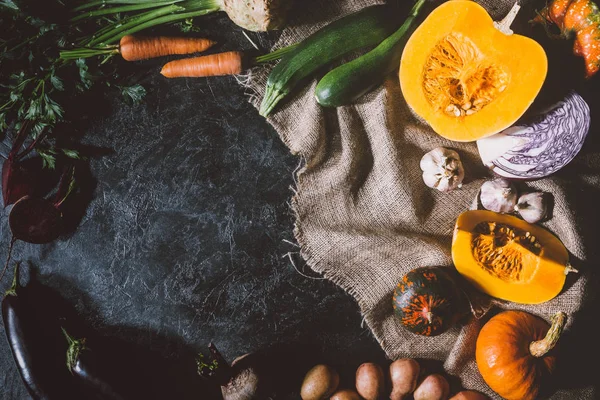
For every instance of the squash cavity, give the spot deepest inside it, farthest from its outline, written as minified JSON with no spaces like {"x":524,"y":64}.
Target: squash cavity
{"x":509,"y":258}
{"x":459,"y":80}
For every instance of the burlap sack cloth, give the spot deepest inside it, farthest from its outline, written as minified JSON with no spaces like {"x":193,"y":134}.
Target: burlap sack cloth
{"x":364,"y":217}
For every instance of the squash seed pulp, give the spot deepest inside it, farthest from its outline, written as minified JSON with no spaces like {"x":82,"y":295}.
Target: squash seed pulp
{"x":505,"y":252}
{"x":457,"y":78}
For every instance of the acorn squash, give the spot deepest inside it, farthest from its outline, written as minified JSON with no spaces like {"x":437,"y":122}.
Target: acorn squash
{"x":468,"y":76}
{"x":508,"y":258}
{"x":428,"y":301}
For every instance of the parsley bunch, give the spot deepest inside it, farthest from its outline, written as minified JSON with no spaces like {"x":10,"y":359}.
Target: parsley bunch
{"x":35,"y":83}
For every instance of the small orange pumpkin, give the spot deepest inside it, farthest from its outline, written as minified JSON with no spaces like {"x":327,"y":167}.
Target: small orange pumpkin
{"x":513,"y":353}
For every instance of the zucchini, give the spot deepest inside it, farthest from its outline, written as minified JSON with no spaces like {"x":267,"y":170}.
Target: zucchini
{"x":367,"y":27}
{"x":345,"y":84}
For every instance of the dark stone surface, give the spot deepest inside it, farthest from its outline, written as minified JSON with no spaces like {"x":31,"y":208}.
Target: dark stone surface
{"x":184,"y":237}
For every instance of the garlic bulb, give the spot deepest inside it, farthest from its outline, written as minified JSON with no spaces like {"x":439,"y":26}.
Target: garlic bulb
{"x":442,"y":169}
{"x":532,"y":207}
{"x":498,"y":195}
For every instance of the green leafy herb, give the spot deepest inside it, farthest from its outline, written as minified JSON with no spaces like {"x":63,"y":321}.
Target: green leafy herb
{"x":133,"y":94}
{"x":36,"y":85}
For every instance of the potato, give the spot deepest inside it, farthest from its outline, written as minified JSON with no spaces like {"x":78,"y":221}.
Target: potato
{"x":346,"y":394}
{"x":370,"y":381}
{"x":404,"y":374}
{"x":319,"y":382}
{"x":433,"y":387}
{"x":469,"y":395}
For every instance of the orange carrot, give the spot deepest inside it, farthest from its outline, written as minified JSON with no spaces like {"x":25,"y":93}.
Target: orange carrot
{"x":228,"y":63}
{"x":142,"y":48}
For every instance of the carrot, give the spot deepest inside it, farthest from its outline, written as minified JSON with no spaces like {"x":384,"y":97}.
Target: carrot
{"x":582,"y":18}
{"x":142,"y":48}
{"x":228,"y":63}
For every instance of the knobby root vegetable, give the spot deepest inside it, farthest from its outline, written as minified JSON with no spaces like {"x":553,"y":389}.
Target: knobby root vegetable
{"x":345,"y":394}
{"x":404,"y":374}
{"x":257,"y":15}
{"x":581,"y":18}
{"x":319,"y":382}
{"x":433,"y":387}
{"x":244,"y":379}
{"x":469,"y":395}
{"x":229,"y":63}
{"x":370,"y":381}
{"x":254,"y":15}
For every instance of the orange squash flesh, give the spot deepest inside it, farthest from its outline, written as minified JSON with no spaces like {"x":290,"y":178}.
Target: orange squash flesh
{"x":513,"y":260}
{"x":523,"y":63}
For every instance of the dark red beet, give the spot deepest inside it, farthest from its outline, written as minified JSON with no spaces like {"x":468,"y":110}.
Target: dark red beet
{"x":35,"y":220}
{"x":20,"y":177}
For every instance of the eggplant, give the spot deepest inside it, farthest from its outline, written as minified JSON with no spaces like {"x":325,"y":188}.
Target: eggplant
{"x":26,"y":340}
{"x":92,"y":371}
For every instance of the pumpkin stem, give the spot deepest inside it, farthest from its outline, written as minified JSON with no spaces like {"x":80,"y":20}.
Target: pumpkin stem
{"x":504,"y":25}
{"x":569,"y":268}
{"x":539,"y":348}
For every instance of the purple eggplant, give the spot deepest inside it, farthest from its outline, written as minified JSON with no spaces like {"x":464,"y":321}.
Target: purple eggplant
{"x":33,"y":350}
{"x":93,"y":370}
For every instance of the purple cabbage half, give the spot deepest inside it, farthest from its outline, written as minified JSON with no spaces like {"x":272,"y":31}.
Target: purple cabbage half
{"x":543,"y":146}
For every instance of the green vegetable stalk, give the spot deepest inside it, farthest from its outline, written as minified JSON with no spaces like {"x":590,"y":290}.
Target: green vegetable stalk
{"x":348,"y":82}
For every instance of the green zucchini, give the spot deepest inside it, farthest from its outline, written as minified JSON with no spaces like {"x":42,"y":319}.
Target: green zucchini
{"x":367,"y":27}
{"x":348,"y":82}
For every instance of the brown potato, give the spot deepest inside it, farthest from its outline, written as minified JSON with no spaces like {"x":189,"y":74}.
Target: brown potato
{"x":469,"y":395}
{"x":346,"y":394}
{"x":370,"y":381}
{"x":433,"y":387}
{"x":319,"y":383}
{"x":404,"y":374}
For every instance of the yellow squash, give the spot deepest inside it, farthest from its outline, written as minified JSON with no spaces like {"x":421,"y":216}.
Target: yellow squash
{"x":508,"y":258}
{"x":468,"y":76}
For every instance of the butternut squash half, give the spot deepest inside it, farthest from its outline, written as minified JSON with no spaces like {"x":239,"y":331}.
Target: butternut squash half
{"x":508,"y":258}
{"x":468,"y":76}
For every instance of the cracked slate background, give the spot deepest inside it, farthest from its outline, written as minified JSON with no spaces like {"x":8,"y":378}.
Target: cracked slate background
{"x":184,"y":238}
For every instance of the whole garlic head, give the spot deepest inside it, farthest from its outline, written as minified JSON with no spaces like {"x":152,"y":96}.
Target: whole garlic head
{"x":498,"y":195}
{"x":532,"y":207}
{"x":442,"y":169}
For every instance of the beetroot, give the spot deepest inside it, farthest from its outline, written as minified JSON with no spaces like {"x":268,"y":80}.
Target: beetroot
{"x":35,"y":220}
{"x":20,"y":176}
{"x":38,"y":220}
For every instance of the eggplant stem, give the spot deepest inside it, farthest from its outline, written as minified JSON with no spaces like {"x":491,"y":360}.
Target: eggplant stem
{"x":15,"y":284}
{"x":76,"y":346}
{"x":10,"y":248}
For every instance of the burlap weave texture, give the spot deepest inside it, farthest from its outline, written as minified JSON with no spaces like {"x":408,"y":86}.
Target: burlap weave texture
{"x":364,"y":218}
